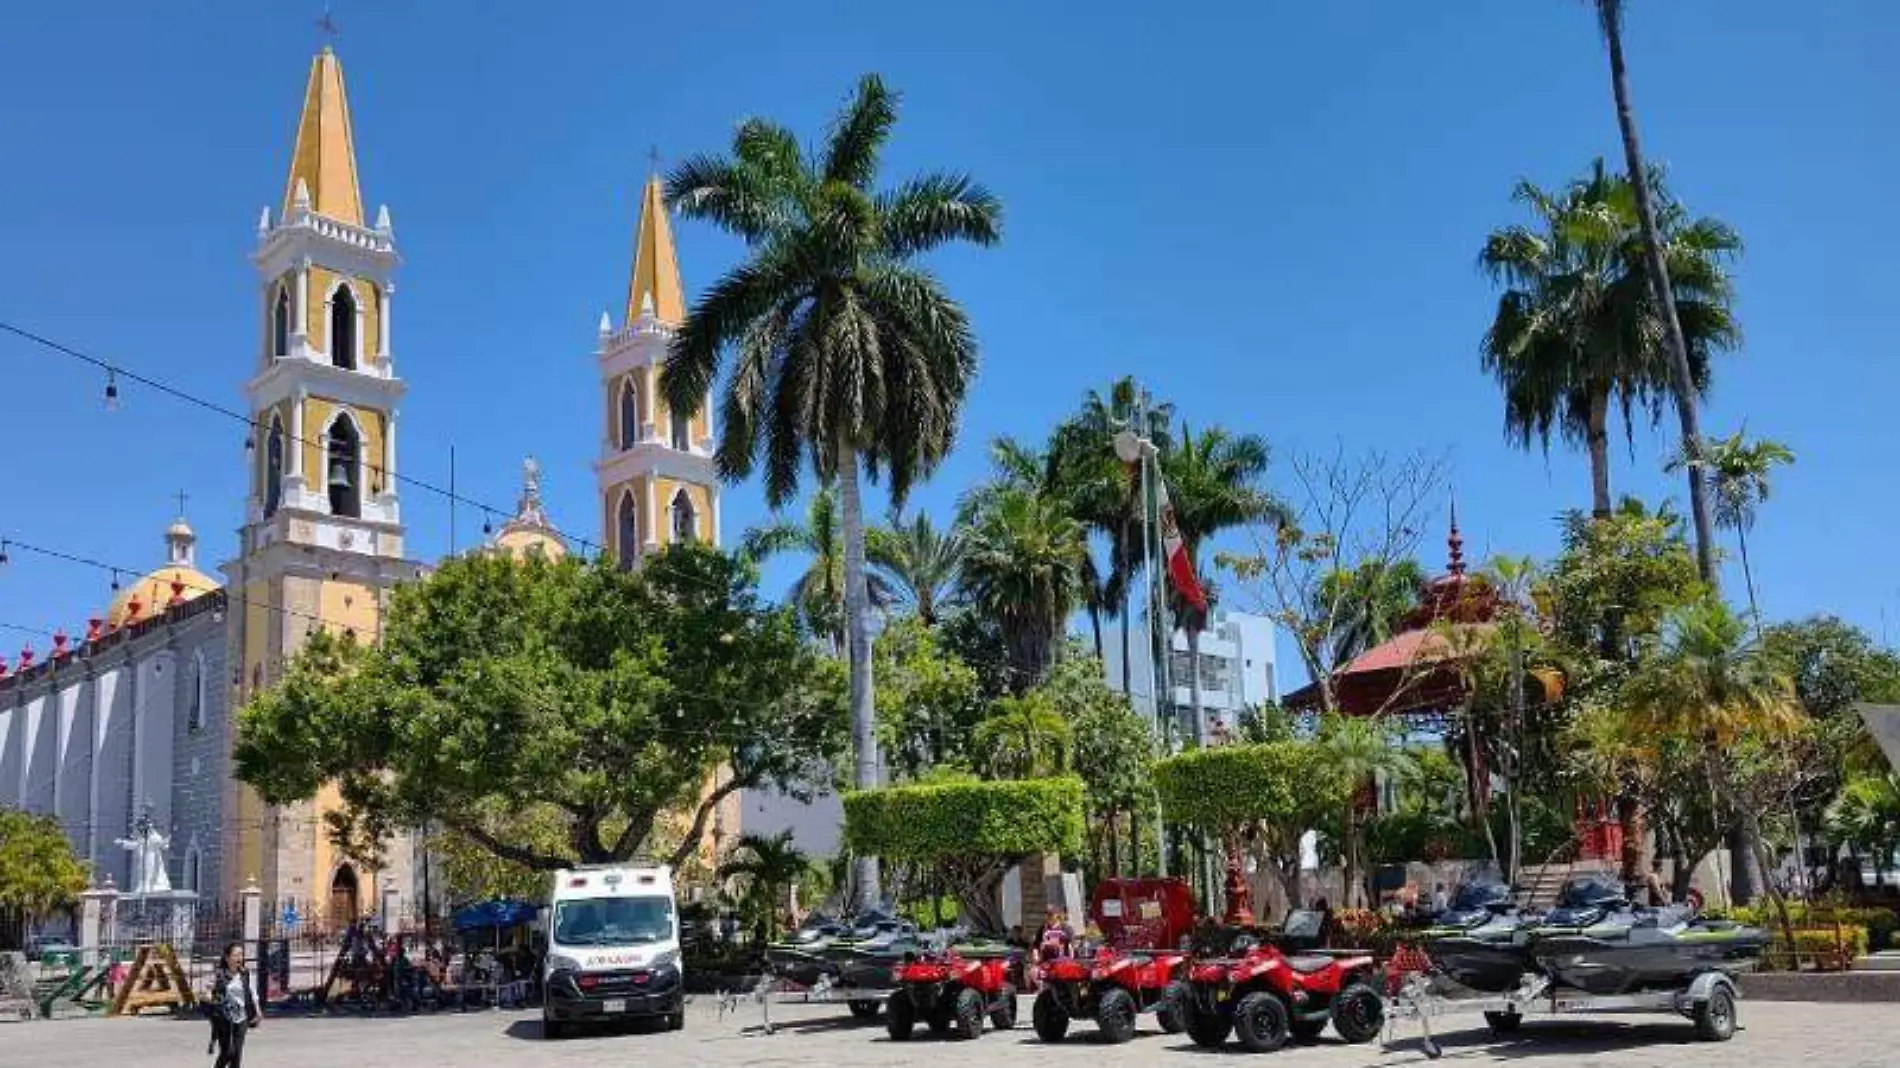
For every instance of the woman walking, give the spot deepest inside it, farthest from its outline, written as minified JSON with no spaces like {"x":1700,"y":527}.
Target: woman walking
{"x":233,"y":1008}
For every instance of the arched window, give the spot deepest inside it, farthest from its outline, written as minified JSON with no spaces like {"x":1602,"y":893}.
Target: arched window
{"x":627,"y":532}
{"x":629,"y":413}
{"x":195,"y":696}
{"x":682,"y":431}
{"x":342,"y":470}
{"x":343,"y":328}
{"x":685,"y":523}
{"x":280,"y":323}
{"x":274,"y":467}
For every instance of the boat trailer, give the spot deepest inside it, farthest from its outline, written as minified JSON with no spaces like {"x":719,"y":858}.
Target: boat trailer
{"x":1709,"y":999}
{"x":865,"y":1002}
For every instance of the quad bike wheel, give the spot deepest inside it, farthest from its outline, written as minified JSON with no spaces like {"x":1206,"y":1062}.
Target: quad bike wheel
{"x":864,"y":1010}
{"x":1261,"y":1022}
{"x":1715,"y":1018}
{"x":1115,"y":1015}
{"x":1052,"y":1024}
{"x":1503,"y":1023}
{"x":1171,"y":1013}
{"x":1305,"y":1030}
{"x":900,"y":1016}
{"x":966,"y":1015}
{"x":1358,"y":1012}
{"x":1208,"y":1029}
{"x":1003,"y":1014}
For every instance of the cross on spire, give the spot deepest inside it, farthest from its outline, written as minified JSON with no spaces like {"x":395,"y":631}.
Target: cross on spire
{"x":327,"y":26}
{"x":181,"y":497}
{"x":653,"y":159}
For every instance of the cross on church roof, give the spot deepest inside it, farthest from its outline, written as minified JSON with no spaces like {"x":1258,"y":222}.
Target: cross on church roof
{"x":181,"y":497}
{"x":328,"y":27}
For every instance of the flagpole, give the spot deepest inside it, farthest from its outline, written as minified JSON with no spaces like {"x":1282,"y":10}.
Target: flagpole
{"x":1158,"y":650}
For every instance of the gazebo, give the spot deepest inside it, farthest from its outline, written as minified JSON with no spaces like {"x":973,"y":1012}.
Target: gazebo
{"x":1418,"y":673}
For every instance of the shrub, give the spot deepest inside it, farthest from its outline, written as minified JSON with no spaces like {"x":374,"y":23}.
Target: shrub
{"x":1829,"y":949}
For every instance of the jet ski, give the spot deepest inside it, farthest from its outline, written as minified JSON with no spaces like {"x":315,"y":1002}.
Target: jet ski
{"x":856,"y":952}
{"x":1481,"y":940}
{"x":1599,"y":944}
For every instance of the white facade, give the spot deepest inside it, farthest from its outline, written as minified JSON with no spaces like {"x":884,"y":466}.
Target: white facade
{"x":1237,"y":669}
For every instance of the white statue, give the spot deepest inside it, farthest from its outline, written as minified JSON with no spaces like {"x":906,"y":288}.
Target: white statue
{"x":148,"y":858}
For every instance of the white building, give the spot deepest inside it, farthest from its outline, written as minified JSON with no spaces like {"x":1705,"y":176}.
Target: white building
{"x":1237,"y":670}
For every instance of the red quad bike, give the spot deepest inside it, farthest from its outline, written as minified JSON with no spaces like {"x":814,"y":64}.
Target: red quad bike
{"x":952,"y":995}
{"x":1265,"y":997}
{"x":1112,"y":989}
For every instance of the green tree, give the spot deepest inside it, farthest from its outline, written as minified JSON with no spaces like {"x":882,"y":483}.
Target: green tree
{"x":1215,"y":483}
{"x":1833,"y":665}
{"x":1023,"y":566}
{"x":472,"y":872}
{"x":1617,"y":579}
{"x":1738,"y":472}
{"x":928,"y":700}
{"x":1358,"y":749}
{"x":920,"y":562}
{"x":1865,"y":818}
{"x":843,"y":351}
{"x":1114,"y":757}
{"x":1372,"y":602}
{"x":767,"y":866}
{"x":616,"y":697}
{"x":818,"y":592}
{"x":1576,"y":331}
{"x":968,"y":834}
{"x":38,"y":871}
{"x":1024,"y":737}
{"x":1662,"y":284}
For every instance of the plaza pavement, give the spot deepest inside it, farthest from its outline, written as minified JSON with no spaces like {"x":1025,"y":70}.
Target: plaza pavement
{"x":1777,"y":1035}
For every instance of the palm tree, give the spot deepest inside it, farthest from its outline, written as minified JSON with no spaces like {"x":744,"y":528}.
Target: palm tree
{"x":1024,"y":738}
{"x":770,"y":866}
{"x":1023,"y":566}
{"x":1366,"y":604}
{"x":818,"y":593}
{"x":1214,"y":483}
{"x":1709,"y":683}
{"x":845,"y":354}
{"x":1738,"y":472}
{"x":1576,"y":329}
{"x":1358,"y":749}
{"x":920,"y":562}
{"x":1685,"y":390}
{"x":1865,"y":816}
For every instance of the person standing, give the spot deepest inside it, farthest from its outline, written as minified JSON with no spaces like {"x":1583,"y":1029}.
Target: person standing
{"x":233,"y":1007}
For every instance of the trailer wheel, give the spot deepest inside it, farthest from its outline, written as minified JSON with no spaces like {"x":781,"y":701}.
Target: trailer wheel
{"x":1715,"y":1018}
{"x":1503,"y":1023}
{"x":1052,"y":1024}
{"x":1261,"y":1022}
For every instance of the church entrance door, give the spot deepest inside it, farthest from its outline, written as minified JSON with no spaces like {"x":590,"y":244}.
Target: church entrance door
{"x":343,"y":897}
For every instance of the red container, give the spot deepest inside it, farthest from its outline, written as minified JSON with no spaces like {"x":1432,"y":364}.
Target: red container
{"x":1143,"y":913}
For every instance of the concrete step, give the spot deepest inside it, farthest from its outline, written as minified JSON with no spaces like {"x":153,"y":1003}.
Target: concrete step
{"x":1887,"y":960}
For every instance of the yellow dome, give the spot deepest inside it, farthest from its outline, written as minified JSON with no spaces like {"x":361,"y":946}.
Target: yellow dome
{"x":154,"y":593}
{"x":523,"y":542}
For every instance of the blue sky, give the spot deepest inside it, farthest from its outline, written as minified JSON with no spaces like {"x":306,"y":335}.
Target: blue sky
{"x":1270,"y":212}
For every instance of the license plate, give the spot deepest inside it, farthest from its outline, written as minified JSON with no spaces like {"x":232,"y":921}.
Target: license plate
{"x":614,"y":1005}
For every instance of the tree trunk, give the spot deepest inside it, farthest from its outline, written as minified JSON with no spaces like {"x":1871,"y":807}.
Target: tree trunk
{"x":1663,"y":292}
{"x":857,"y":610}
{"x":1095,"y":628}
{"x":1629,"y":818}
{"x":1599,"y":443}
{"x":1748,"y":577}
{"x":1128,"y":603}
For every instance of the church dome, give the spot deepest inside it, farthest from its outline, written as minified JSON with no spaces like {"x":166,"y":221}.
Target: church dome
{"x":154,"y":592}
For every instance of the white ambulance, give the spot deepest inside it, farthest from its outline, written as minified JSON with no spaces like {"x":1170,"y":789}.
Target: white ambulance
{"x":613,"y":948}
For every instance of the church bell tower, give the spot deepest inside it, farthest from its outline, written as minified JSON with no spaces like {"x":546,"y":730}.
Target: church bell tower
{"x":655,"y":475}
{"x":322,"y":541}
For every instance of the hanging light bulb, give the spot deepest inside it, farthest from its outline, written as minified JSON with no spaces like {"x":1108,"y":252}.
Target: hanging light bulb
{"x":5,"y":557}
{"x":115,"y":581}
{"x":250,"y":437}
{"x":487,"y":527}
{"x":112,"y":390}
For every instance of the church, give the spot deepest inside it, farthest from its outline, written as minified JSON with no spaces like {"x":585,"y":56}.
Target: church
{"x":133,"y":721}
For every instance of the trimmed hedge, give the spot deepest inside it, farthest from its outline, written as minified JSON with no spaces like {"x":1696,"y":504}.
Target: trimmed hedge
{"x":961,"y":819}
{"x":1880,"y":923}
{"x":1828,"y":949}
{"x":1227,"y":786}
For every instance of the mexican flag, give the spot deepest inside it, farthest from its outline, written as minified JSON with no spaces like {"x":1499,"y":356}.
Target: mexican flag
{"x":1174,"y":548}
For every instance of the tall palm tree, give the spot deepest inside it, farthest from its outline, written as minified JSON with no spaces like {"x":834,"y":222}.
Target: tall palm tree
{"x":1366,"y":604}
{"x":1106,"y":498}
{"x":1214,"y":482}
{"x":1675,"y":342}
{"x":1738,"y":472}
{"x":1022,"y":565}
{"x":1577,"y":328}
{"x":770,"y":866}
{"x":818,"y":592}
{"x":920,"y":562}
{"x":1358,"y":750}
{"x":844,"y":353}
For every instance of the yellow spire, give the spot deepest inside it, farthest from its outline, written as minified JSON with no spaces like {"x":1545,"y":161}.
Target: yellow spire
{"x":656,"y":270}
{"x":324,"y":162}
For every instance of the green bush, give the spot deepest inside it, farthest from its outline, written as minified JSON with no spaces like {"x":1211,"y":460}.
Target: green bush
{"x":956,"y":819}
{"x":1829,"y":949}
{"x":1880,"y":924}
{"x":1230,"y":785}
